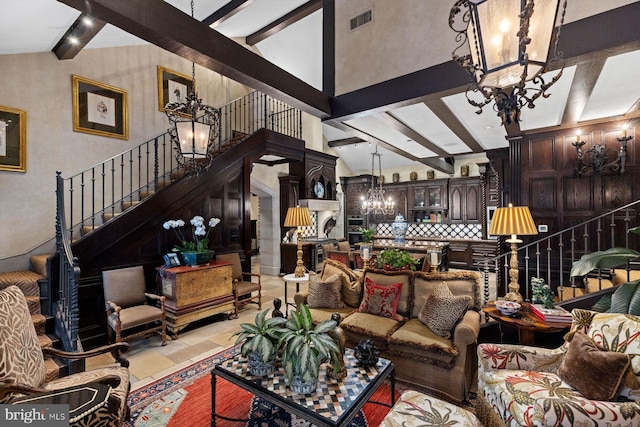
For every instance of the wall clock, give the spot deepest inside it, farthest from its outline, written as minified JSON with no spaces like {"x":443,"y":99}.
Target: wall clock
{"x":318,"y":189}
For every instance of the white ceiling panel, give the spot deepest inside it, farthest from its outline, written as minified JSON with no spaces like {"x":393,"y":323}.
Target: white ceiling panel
{"x":424,"y":121}
{"x":358,"y":158}
{"x":617,"y":88}
{"x":549,"y":111}
{"x":486,"y":127}
{"x":380,"y":130}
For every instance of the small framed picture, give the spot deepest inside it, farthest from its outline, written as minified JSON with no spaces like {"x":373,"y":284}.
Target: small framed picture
{"x":99,"y":109}
{"x":173,"y":87}
{"x":13,"y":140}
{"x":171,"y":260}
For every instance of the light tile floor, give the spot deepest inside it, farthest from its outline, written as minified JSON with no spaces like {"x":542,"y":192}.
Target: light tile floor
{"x":150,"y":361}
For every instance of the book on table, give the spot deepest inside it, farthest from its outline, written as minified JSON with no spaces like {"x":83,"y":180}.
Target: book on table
{"x":556,"y":314}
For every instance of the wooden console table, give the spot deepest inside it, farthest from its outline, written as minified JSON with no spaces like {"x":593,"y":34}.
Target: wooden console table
{"x":194,"y":293}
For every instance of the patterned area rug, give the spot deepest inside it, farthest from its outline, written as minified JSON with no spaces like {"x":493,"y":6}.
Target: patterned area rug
{"x":184,"y":398}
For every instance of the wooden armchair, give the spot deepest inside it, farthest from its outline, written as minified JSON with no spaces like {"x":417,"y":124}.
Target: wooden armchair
{"x":127,"y":305}
{"x":23,"y":370}
{"x":243,"y":285}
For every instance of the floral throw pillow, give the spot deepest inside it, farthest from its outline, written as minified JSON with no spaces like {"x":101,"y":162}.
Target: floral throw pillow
{"x":380,"y":300}
{"x":442,"y":310}
{"x":325,"y":293}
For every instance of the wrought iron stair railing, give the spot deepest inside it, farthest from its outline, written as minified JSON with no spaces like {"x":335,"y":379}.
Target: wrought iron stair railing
{"x":98,"y":194}
{"x":552,"y":257}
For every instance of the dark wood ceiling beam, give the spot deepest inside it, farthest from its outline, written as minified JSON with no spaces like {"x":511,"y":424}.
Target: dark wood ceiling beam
{"x":445,"y":114}
{"x":398,"y":125}
{"x":344,"y":142}
{"x":584,"y":80}
{"x":77,"y":36}
{"x":433,"y":162}
{"x":226,"y":12}
{"x":289,"y":19}
{"x":578,"y":42}
{"x":169,"y":28}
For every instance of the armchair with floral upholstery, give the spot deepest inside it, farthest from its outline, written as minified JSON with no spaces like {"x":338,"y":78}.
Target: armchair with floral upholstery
{"x":591,"y":380}
{"x":23,"y":370}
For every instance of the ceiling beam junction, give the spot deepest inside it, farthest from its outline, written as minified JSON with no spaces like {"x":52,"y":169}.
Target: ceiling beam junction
{"x":289,"y":19}
{"x":226,"y":12}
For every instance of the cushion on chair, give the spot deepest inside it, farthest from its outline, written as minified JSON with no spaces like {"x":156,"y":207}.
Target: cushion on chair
{"x":21,"y":358}
{"x":342,"y":257}
{"x":245,"y":287}
{"x":135,"y":316}
{"x":597,"y":374}
{"x":125,"y":286}
{"x":351,"y":285}
{"x":442,"y":310}
{"x":325,"y":293}
{"x":381,"y":300}
{"x":386,"y":278}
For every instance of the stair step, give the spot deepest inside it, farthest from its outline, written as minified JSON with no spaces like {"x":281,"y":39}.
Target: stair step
{"x":126,"y":205}
{"x":26,"y":280}
{"x":86,"y":229}
{"x":146,"y":193}
{"x":45,"y":341}
{"x":34,"y":304}
{"x":39,"y":322}
{"x":110,"y":215}
{"x":54,"y":368}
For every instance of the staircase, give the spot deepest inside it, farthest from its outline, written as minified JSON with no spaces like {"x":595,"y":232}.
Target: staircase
{"x":552,"y":257}
{"x":34,"y":285}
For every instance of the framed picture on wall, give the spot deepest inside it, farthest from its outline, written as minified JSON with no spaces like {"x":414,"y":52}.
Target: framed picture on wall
{"x":13,"y":140}
{"x":172,"y":87}
{"x":99,"y":109}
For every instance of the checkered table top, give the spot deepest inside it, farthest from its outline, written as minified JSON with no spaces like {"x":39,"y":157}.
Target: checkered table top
{"x":332,"y":397}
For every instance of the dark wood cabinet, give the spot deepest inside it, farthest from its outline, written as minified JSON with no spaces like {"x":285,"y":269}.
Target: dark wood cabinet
{"x":465,"y":200}
{"x":318,"y":173}
{"x":428,"y":199}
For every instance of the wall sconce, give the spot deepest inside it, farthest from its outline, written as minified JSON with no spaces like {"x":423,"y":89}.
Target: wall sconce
{"x":596,"y":157}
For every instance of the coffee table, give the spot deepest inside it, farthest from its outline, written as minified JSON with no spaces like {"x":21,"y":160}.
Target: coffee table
{"x":334,"y":403}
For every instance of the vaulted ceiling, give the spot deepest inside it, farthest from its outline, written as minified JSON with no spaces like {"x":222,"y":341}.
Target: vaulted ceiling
{"x":412,"y":123}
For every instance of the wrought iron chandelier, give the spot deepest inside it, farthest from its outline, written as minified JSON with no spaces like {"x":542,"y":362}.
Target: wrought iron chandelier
{"x":375,"y":202}
{"x":195,"y":127}
{"x":507,"y":50}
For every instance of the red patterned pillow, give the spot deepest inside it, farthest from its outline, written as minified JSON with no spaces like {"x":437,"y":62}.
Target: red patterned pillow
{"x":380,"y":300}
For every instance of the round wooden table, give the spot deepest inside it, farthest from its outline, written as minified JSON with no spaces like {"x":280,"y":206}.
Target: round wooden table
{"x":525,"y":322}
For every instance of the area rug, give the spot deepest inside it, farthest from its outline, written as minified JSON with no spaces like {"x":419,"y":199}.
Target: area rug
{"x":184,"y":399}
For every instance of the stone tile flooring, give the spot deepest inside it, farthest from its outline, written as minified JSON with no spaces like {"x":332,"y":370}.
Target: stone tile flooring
{"x":149,"y":360}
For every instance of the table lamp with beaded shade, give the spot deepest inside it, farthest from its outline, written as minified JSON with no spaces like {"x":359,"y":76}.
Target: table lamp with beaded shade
{"x":513,"y":221}
{"x":298,"y":217}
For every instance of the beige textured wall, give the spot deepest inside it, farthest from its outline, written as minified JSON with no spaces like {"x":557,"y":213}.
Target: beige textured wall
{"x":408,"y":35}
{"x":40,"y":84}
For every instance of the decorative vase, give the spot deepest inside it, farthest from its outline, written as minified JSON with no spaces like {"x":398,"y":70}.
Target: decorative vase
{"x":399,"y":228}
{"x":464,"y":170}
{"x":300,"y":387}
{"x":413,"y":176}
{"x":259,"y":368}
{"x":431,"y":174}
{"x":197,"y":258}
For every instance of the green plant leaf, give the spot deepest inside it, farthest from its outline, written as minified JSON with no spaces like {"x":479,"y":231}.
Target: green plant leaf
{"x":635,"y":230}
{"x":305,"y":317}
{"x":610,"y":258}
{"x":325,"y":326}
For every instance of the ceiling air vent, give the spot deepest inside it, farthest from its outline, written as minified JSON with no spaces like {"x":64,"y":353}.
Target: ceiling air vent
{"x":360,"y":20}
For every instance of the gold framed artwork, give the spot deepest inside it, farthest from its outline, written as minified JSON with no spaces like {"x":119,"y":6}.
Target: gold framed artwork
{"x":99,"y":109}
{"x":172,"y":87}
{"x":13,"y":140}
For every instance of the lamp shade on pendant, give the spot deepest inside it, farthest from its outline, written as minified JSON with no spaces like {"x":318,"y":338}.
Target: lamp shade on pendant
{"x":512,"y":221}
{"x":297,"y":217}
{"x":496,"y":31}
{"x":194,"y":138}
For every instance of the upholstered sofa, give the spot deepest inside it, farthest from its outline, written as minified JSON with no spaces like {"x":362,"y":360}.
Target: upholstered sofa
{"x":444,"y":363}
{"x":591,"y":380}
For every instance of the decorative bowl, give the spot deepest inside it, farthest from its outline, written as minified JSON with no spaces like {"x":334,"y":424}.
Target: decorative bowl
{"x":508,"y":308}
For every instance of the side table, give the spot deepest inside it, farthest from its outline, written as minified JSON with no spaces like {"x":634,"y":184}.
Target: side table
{"x":291,"y":278}
{"x":525,"y":322}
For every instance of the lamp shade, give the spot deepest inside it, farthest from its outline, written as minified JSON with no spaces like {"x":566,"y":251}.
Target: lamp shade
{"x":297,"y":217}
{"x":496,"y":32}
{"x":512,"y":221}
{"x":194,"y":138}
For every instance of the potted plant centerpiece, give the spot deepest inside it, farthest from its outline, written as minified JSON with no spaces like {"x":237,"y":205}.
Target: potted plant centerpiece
{"x":261,"y":342}
{"x":194,"y":252}
{"x":305,"y":348}
{"x":396,"y":259}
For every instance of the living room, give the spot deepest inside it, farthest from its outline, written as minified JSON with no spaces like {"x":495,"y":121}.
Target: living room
{"x":545,"y":177}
